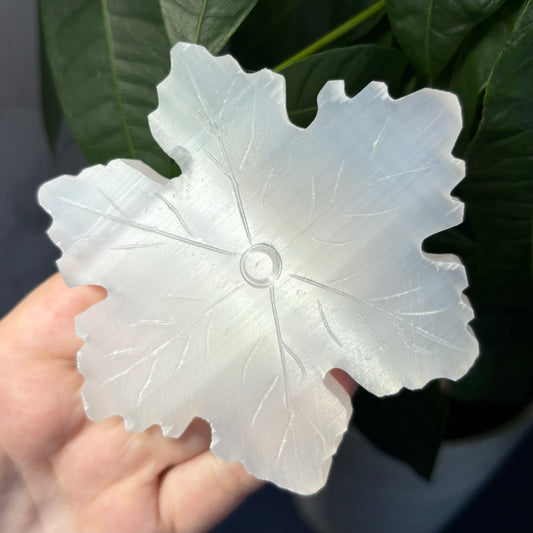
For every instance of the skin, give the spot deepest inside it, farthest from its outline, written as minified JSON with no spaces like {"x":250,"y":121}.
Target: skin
{"x":60,"y":471}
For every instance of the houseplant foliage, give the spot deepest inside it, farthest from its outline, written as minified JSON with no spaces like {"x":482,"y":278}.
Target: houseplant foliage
{"x":103,"y":59}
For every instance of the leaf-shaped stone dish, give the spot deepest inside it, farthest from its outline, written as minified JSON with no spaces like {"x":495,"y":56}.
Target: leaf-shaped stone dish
{"x":279,"y":254}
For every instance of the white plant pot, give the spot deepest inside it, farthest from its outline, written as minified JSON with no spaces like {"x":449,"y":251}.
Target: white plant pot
{"x":370,"y":492}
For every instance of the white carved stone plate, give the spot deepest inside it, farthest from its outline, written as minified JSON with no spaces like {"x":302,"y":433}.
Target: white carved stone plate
{"x":279,"y":254}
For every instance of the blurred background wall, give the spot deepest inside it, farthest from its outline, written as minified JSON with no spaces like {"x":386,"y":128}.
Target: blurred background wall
{"x":26,"y":160}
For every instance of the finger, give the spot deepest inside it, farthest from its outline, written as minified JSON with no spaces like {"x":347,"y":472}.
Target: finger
{"x":123,"y":456}
{"x":197,"y":494}
{"x":40,"y":400}
{"x":349,"y":385}
{"x":172,"y":451}
{"x":43,"y":323}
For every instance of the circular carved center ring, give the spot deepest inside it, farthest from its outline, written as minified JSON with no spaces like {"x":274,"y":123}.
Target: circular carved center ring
{"x":260,"y":265}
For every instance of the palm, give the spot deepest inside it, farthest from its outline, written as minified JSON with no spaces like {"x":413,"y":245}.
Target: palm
{"x":62,"y":472}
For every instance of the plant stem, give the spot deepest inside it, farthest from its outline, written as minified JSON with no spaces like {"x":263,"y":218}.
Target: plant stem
{"x":333,"y":35}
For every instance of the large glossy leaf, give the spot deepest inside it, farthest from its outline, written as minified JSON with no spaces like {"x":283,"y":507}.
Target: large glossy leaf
{"x":277,"y":29}
{"x":474,"y":64}
{"x":431,"y":31}
{"x":498,"y":192}
{"x":106,"y":57}
{"x":357,"y":65}
{"x":207,"y":22}
{"x":51,"y":109}
{"x":499,"y":184}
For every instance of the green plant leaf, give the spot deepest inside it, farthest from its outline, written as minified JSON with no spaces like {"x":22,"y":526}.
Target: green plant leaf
{"x":51,"y":109}
{"x":363,"y":29}
{"x":409,"y":425}
{"x":277,"y":29}
{"x":498,"y":189}
{"x":207,"y":22}
{"x":471,"y":72}
{"x":431,"y":31}
{"x":106,"y":58}
{"x":498,"y":192}
{"x":474,"y":64}
{"x":357,"y":65}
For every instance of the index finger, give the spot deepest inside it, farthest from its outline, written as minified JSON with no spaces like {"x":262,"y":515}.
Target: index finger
{"x":42,"y":324}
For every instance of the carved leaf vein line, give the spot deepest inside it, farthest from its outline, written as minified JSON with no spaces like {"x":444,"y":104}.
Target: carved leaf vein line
{"x":174,"y":210}
{"x":296,"y":359}
{"x":393,"y":316}
{"x":264,"y":399}
{"x":249,"y":357}
{"x":147,"y":229}
{"x":212,"y":129}
{"x":280,"y":344}
{"x":326,"y":324}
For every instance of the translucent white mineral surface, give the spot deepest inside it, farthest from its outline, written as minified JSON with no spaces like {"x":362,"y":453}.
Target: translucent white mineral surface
{"x":279,"y":254}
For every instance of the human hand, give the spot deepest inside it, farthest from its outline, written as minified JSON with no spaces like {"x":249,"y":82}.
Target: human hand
{"x":60,"y":471}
